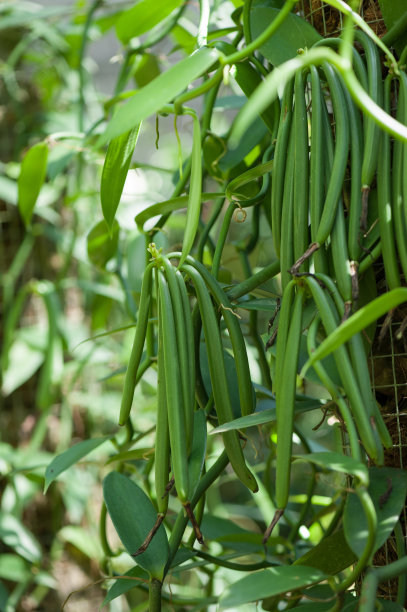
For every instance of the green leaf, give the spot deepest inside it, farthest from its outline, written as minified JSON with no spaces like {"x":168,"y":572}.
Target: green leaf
{"x":332,"y":555}
{"x":388,"y":489}
{"x":293,"y":34}
{"x":19,"y":538}
{"x":356,"y":322}
{"x":135,"y":576}
{"x":13,"y":568}
{"x":159,"y":92}
{"x":88,"y":543}
{"x":337,"y":463}
{"x":133,"y":515}
{"x":268,"y":415}
{"x":393,"y":11}
{"x":141,"y":18}
{"x":115,"y":168}
{"x":31,"y":179}
{"x":72,"y":455}
{"x":169,"y":206}
{"x":267,"y":583}
{"x":132,"y":455}
{"x":102,"y":243}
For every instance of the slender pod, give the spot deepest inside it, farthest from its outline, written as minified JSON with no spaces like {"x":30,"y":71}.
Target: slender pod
{"x":283,"y":326}
{"x":317,"y":165}
{"x":138,"y":345}
{"x":385,"y":210}
{"x":189,"y":332}
{"x":186,"y":364}
{"x":280,"y":161}
{"x":218,"y":377}
{"x":176,"y":414}
{"x":287,"y":215}
{"x":162,"y":437}
{"x":340,"y":157}
{"x":330,"y":320}
{"x":285,"y":400}
{"x":397,"y":179}
{"x":301,"y":168}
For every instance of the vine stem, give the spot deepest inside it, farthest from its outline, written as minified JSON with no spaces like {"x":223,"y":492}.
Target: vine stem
{"x":154,"y":595}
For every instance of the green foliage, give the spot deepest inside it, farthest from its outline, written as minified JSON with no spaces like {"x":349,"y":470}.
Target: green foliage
{"x":186,"y":287}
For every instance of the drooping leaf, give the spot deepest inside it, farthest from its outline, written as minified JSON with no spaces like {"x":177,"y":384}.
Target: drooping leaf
{"x":31,"y":179}
{"x":140,"y":18}
{"x":357,"y":322}
{"x":336,"y":462}
{"x":388,"y":489}
{"x":294,"y":33}
{"x":268,"y":582}
{"x":133,"y":516}
{"x":159,"y":92}
{"x":102,"y":243}
{"x":332,"y":555}
{"x":115,"y":168}
{"x":72,"y":455}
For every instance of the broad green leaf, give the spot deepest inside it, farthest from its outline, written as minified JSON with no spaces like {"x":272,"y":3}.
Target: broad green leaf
{"x":102,"y":243}
{"x":13,"y":567}
{"x":169,"y":206}
{"x":356,"y":322}
{"x":117,"y":162}
{"x":392,"y":12}
{"x":232,"y":190}
{"x":269,"y":582}
{"x":260,"y":417}
{"x":133,"y":578}
{"x":141,"y":18}
{"x":15,"y":535}
{"x":147,"y":69}
{"x":195,"y":191}
{"x":337,"y":463}
{"x":133,"y":516}
{"x":294,"y":33}
{"x":72,"y":455}
{"x":31,"y":179}
{"x":159,"y":92}
{"x":332,"y":555}
{"x":388,"y":489}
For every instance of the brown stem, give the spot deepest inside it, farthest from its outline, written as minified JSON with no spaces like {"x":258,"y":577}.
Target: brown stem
{"x":149,"y":536}
{"x":311,"y":249}
{"x":195,"y":526}
{"x":277,"y":516}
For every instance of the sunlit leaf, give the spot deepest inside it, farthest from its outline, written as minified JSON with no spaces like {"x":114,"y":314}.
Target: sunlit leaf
{"x":159,"y":92}
{"x":133,"y":516}
{"x":31,"y":179}
{"x":72,"y":455}
{"x":115,"y":168}
{"x":16,"y":536}
{"x":337,"y":463}
{"x":388,"y":489}
{"x":13,"y":567}
{"x":140,"y":18}
{"x":268,"y":582}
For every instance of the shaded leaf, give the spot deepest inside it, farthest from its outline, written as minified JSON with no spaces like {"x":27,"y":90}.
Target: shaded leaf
{"x":388,"y":489}
{"x":158,"y":92}
{"x":337,"y":463}
{"x":72,"y":455}
{"x":133,"y":516}
{"x":392,"y":12}
{"x":102,"y":243}
{"x":114,"y":173}
{"x":267,"y":583}
{"x":88,"y":543}
{"x":31,"y":179}
{"x":294,"y":33}
{"x":140,"y":18}
{"x":332,"y":555}
{"x":169,"y":206}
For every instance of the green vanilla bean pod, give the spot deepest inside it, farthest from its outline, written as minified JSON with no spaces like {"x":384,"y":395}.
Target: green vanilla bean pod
{"x":287,"y":215}
{"x":138,"y":345}
{"x":189,"y":332}
{"x":280,"y":162}
{"x":372,"y":131}
{"x":186,"y":364}
{"x":397,"y":176}
{"x":162,"y":439}
{"x":317,"y":166}
{"x":301,"y":168}
{"x":330,"y":320}
{"x":283,"y":325}
{"x":173,"y":385}
{"x":218,"y":378}
{"x":285,"y":400}
{"x":340,"y":157}
{"x":385,"y":211}
{"x":334,"y":392}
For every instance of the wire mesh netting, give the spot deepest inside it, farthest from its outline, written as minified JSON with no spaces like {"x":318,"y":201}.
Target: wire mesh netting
{"x":329,"y":21}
